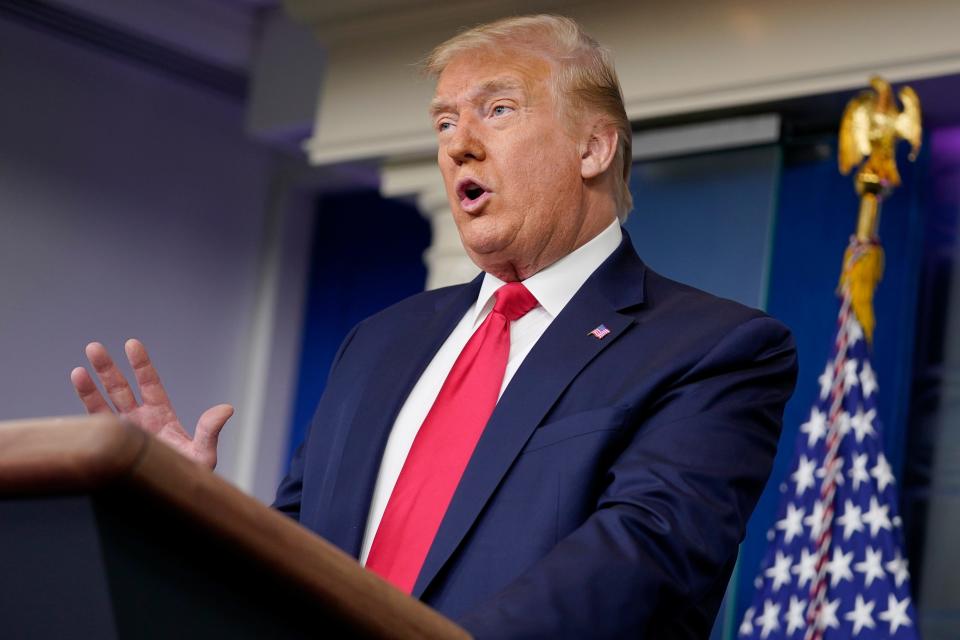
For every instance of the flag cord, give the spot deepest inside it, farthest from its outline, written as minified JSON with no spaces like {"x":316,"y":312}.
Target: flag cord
{"x":818,"y":588}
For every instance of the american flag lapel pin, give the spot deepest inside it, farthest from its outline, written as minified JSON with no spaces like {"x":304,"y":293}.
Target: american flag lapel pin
{"x":600,"y":332}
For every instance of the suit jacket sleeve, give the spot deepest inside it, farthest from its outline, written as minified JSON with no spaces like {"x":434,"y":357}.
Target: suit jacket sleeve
{"x":674,"y":506}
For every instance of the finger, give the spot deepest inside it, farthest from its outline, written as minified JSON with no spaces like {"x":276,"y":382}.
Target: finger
{"x":111,"y":378}
{"x":93,"y":401}
{"x":208,"y":432}
{"x":151,"y":389}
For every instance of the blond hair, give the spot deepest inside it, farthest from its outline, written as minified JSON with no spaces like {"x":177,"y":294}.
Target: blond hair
{"x":584,"y":80}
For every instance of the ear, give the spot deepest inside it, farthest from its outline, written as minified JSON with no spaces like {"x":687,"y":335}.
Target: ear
{"x":598,"y":151}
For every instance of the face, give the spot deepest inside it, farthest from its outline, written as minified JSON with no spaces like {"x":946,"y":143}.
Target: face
{"x":511,"y":165}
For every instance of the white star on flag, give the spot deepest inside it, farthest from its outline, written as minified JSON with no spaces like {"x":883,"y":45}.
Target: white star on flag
{"x":877,"y":517}
{"x":828,"y":615}
{"x":850,"y":520}
{"x":854,"y":333}
{"x":843,"y":423}
{"x":780,"y":571}
{"x":861,"y":615}
{"x":858,"y":471}
{"x":806,"y":568}
{"x":850,"y":377}
{"x":826,"y":381}
{"x":868,"y":380}
{"x":746,"y":627}
{"x":871,"y":567}
{"x":838,"y":477}
{"x":896,"y":613}
{"x":882,"y":472}
{"x":862,"y":423}
{"x":815,"y":520}
{"x":792,"y":524}
{"x":796,"y":615}
{"x":769,"y":620}
{"x":898,"y":569}
{"x":803,"y":476}
{"x":839,"y":567}
{"x":815,"y":427}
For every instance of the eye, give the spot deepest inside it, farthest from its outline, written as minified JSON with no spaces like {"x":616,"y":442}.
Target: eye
{"x":501,"y":110}
{"x":444,"y":125}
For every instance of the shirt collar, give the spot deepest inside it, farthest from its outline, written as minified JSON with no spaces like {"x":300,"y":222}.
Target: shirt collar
{"x":554,"y":286}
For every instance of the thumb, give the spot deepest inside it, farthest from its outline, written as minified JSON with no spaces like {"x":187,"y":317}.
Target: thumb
{"x":208,"y":432}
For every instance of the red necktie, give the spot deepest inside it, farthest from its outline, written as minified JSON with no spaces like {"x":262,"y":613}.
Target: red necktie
{"x":444,"y":444}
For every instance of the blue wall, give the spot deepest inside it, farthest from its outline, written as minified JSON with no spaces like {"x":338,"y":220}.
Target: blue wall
{"x":706,"y":220}
{"x":367,"y":254}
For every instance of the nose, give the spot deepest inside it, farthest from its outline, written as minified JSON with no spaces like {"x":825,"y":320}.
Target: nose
{"x":464,"y":144}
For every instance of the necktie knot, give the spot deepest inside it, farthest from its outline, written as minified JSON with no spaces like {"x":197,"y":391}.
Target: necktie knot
{"x":513,"y":301}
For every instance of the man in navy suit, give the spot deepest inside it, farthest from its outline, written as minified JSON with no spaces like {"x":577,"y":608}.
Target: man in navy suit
{"x":632,"y":420}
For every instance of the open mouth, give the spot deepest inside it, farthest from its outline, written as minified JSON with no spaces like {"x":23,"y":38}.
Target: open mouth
{"x":472,"y":194}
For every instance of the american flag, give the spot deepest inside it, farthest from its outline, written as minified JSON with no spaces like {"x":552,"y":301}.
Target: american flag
{"x":835,"y":566}
{"x":600,"y":332}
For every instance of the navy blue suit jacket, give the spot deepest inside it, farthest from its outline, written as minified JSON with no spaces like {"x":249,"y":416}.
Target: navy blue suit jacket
{"x":614,"y":480}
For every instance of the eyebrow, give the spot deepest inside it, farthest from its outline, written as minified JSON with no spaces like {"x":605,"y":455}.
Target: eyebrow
{"x":494,"y":85}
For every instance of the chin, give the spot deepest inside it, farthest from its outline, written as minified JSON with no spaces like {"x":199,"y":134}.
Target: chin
{"x":485,"y":246}
{"x":483,"y":235}
{"x":484,"y":253}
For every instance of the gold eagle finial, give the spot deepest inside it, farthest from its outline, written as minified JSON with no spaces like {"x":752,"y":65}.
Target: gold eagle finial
{"x":871,"y":127}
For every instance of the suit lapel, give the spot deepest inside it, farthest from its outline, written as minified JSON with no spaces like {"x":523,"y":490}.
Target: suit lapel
{"x":396,"y":372}
{"x":553,"y":363}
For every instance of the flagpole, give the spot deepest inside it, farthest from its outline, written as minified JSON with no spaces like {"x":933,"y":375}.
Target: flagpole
{"x":869,"y":220}
{"x":870,"y":129}
{"x":806,"y":582}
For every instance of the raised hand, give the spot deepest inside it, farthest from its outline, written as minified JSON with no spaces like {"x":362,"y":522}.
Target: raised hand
{"x":155,"y":415}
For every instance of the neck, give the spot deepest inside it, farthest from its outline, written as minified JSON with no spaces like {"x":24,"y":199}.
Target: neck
{"x":517,"y":271}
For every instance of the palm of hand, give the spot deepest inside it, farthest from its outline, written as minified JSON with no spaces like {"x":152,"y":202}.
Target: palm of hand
{"x":155,"y":414}
{"x":161,"y":421}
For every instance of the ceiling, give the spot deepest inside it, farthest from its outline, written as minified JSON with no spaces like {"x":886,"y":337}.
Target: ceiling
{"x":222,"y":35}
{"x":219,"y":32}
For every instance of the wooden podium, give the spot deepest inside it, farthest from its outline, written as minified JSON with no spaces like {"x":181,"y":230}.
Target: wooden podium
{"x":107,"y":533}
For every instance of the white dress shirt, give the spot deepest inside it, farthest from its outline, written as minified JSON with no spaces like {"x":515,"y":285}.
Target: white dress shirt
{"x":553,"y":288}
